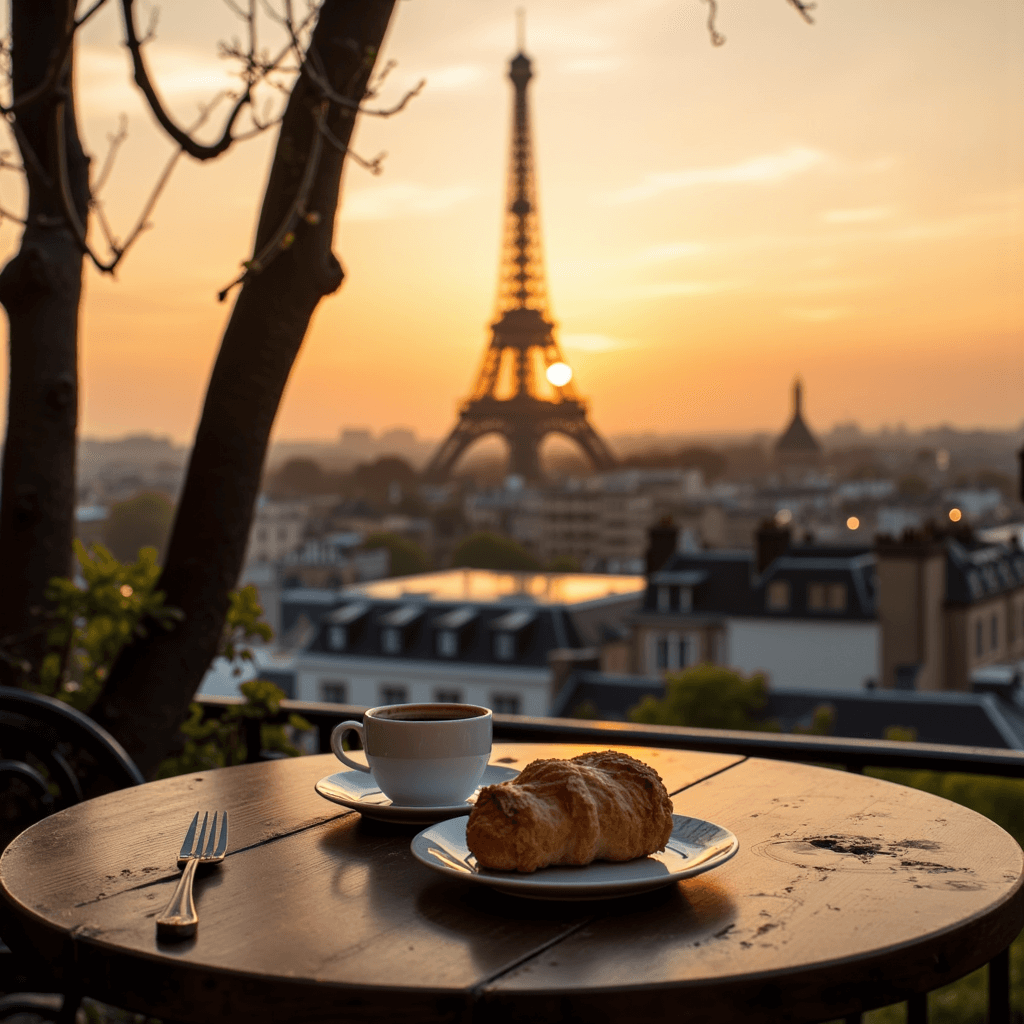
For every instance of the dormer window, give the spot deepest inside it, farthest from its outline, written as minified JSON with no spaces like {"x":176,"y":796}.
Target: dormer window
{"x":664,"y":599}
{"x":777,"y":596}
{"x":342,"y":626}
{"x":826,"y":597}
{"x":686,"y":599}
{"x":451,"y":630}
{"x":391,"y":640}
{"x":504,"y":646}
{"x":396,"y":627}
{"x":508,"y":633}
{"x":448,"y":643}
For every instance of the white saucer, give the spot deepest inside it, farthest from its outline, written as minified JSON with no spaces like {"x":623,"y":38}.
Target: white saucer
{"x":359,"y":791}
{"x":695,"y":846}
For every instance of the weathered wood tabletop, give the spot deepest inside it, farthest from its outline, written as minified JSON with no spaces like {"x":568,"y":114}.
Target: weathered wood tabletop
{"x":847,"y":893}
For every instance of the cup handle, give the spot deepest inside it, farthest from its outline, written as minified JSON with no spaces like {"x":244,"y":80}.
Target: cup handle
{"x":338,"y":735}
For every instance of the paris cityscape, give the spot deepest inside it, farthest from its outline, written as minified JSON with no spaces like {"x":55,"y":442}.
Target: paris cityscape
{"x":525,"y":478}
{"x":551,"y":475}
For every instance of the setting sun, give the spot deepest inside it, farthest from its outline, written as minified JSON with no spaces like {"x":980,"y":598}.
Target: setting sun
{"x":559,"y":374}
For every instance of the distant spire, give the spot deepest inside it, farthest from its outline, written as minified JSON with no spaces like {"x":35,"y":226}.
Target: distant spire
{"x":797,"y":442}
{"x":521,"y":29}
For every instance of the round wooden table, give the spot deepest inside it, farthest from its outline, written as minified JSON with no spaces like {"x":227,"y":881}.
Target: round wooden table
{"x":847,"y":893}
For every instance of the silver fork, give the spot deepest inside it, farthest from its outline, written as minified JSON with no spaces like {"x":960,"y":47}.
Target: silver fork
{"x":180,"y":920}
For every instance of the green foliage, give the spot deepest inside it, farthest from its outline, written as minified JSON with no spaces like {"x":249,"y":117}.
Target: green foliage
{"x":492,"y":551}
{"x":563,"y":563}
{"x":900,"y":733}
{"x":143,"y":521}
{"x":407,"y":557}
{"x":90,"y":625}
{"x":243,"y":624}
{"x":220,"y":742}
{"x":586,"y":709}
{"x":823,"y":721}
{"x":708,"y":697}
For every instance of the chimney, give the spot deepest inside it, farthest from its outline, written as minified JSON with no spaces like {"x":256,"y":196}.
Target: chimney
{"x":662,"y":540}
{"x":911,"y":574}
{"x":772,"y":541}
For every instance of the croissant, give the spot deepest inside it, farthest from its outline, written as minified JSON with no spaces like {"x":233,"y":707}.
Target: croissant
{"x":598,"y":806}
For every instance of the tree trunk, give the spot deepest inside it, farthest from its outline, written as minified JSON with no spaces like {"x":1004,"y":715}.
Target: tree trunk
{"x":40,"y":289}
{"x":150,"y":686}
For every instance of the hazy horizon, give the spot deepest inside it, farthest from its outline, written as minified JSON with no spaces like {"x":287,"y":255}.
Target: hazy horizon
{"x":842,"y":201}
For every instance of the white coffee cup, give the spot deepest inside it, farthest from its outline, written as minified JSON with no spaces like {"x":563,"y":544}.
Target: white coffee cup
{"x":422,"y":755}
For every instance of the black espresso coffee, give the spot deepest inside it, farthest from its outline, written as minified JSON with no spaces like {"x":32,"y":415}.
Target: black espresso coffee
{"x":431,"y":713}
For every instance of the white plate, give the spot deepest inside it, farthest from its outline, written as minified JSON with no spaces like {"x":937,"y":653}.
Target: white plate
{"x":695,"y":846}
{"x":359,"y":791}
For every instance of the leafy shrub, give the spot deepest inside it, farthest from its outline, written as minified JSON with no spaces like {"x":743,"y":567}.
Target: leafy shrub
{"x":708,"y":696}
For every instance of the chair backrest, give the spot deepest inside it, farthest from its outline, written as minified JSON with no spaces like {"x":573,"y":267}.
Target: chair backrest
{"x":52,"y":756}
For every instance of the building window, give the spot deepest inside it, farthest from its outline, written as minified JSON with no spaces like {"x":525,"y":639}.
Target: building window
{"x":504,"y":646}
{"x":337,"y":638}
{"x":505,"y":704}
{"x":817,"y":599}
{"x":778,"y":596}
{"x":685,"y":599}
{"x":392,"y":694}
{"x":448,"y":696}
{"x":837,"y":597}
{"x":334,"y":691}
{"x":995,"y":632}
{"x":685,"y":651}
{"x":448,"y":643}
{"x":979,"y":638}
{"x":664,"y":599}
{"x":661,"y":652}
{"x":391,"y":640}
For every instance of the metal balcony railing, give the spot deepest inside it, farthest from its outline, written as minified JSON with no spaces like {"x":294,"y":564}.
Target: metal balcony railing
{"x":851,"y":754}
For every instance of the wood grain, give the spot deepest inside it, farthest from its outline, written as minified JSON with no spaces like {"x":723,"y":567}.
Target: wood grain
{"x":846,"y":890}
{"x":846,"y":893}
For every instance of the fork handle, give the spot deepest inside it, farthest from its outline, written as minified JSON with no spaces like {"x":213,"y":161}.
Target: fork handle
{"x":180,"y":920}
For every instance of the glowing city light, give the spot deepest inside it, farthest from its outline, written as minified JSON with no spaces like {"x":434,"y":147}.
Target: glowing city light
{"x":955,"y":515}
{"x":126,"y":591}
{"x":559,"y":374}
{"x":853,"y":523}
{"x":783,"y":517}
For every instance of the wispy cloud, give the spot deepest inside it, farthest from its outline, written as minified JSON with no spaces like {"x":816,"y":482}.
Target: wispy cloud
{"x":685,"y":289}
{"x":179,"y":73}
{"x":858,"y":215}
{"x":452,"y":79}
{"x":671,"y":251}
{"x":388,"y":202}
{"x":593,"y":342}
{"x":758,"y":170}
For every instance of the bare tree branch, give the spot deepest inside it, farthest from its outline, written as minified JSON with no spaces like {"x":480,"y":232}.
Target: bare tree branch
{"x":374,"y":166}
{"x":54,"y":70}
{"x":717,"y":39}
{"x":114,"y":143}
{"x":284,"y":236}
{"x":145,"y":83}
{"x":804,"y":9}
{"x":89,"y":13}
{"x":310,"y":63}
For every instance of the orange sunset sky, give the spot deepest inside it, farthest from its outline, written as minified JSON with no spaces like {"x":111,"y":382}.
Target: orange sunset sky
{"x":844,"y":201}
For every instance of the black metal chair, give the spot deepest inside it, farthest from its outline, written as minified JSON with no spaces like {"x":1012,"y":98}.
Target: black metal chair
{"x":51,"y":757}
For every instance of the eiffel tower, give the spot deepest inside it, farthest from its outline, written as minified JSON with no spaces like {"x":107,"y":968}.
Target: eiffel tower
{"x":523,"y":336}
